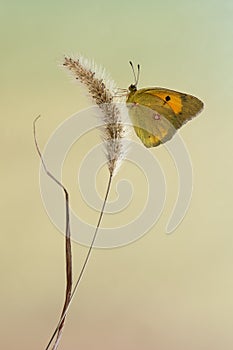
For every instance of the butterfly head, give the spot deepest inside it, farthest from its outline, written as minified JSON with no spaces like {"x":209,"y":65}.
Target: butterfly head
{"x":132,"y":88}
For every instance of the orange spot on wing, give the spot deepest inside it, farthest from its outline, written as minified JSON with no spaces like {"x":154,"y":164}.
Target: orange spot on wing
{"x":175,"y":101}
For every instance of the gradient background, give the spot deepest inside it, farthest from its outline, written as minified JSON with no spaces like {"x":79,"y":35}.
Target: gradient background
{"x":161,"y":292}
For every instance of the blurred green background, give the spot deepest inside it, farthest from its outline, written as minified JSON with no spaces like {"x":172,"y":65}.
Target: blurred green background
{"x":161,"y":292}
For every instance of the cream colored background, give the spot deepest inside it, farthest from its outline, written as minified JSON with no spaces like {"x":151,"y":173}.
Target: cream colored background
{"x":161,"y":292}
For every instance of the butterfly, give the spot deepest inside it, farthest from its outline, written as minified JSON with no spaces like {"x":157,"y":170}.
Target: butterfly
{"x":156,"y":113}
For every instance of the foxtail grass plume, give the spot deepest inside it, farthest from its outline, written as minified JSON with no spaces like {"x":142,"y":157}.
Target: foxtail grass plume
{"x":102,"y":91}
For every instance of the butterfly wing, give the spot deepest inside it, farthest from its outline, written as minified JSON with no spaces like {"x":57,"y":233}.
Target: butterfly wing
{"x":150,"y":126}
{"x":184,"y":106}
{"x":157,"y":113}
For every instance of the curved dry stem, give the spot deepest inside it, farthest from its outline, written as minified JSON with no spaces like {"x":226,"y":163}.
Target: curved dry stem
{"x":68,"y":251}
{"x":84,"y":264}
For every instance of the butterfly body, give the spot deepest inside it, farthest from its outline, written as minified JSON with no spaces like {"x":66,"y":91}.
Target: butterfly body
{"x":156,"y":113}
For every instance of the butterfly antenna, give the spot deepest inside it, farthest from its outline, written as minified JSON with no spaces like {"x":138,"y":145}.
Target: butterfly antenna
{"x":138,"y":75}
{"x":134,"y":74}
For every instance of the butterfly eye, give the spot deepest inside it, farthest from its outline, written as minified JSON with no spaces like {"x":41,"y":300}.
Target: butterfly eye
{"x":167,"y":98}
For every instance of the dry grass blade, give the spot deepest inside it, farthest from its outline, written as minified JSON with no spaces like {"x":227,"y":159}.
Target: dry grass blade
{"x":68,"y":251}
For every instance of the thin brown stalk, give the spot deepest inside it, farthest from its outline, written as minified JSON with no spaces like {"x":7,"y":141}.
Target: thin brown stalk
{"x":68,"y":251}
{"x":84,"y":263}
